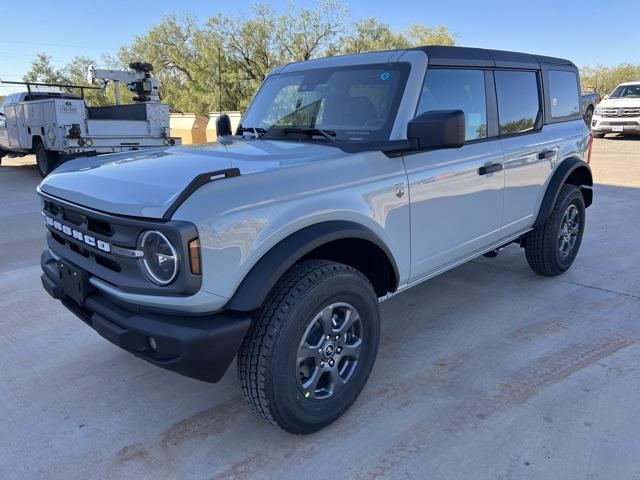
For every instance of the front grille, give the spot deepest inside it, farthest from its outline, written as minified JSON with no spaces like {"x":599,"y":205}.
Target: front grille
{"x":620,"y":112}
{"x":618,"y":124}
{"x":85,"y":237}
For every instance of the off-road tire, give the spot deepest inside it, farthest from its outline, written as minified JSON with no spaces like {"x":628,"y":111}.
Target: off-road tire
{"x":268,"y":367}
{"x":46,"y":160}
{"x":542,"y":243}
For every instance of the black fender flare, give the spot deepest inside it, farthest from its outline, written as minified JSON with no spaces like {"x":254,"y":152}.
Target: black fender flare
{"x":256,"y":285}
{"x":572,"y":167}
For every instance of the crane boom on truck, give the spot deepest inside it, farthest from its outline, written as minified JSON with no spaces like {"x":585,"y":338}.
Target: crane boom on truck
{"x":138,"y":80}
{"x":56,"y":125}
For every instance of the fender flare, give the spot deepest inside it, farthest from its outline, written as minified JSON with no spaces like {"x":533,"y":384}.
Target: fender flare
{"x":572,"y":166}
{"x":256,"y":285}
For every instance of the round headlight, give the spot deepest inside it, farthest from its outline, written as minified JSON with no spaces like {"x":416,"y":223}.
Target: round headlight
{"x":159,"y":260}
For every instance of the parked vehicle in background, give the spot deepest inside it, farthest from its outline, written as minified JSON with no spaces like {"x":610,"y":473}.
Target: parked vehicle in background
{"x":56,"y":125}
{"x":589,"y":103}
{"x":349,"y":179}
{"x":619,"y":112}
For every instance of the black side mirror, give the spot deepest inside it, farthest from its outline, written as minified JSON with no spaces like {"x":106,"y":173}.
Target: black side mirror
{"x":437,"y":129}
{"x":223,"y":125}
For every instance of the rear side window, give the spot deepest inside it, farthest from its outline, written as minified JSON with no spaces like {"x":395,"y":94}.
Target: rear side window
{"x":464,"y":90}
{"x":518,"y":101}
{"x":563,"y":89}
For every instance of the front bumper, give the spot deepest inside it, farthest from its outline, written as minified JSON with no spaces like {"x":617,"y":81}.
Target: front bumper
{"x":602,"y":124}
{"x":200,"y":347}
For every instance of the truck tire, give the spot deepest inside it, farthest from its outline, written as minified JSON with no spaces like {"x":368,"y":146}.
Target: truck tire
{"x":552,"y":247}
{"x":45,"y":160}
{"x":588,"y":116}
{"x":311,"y":347}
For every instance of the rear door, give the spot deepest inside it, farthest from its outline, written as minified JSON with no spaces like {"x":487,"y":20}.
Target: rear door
{"x":456,"y":205}
{"x":529,"y":146}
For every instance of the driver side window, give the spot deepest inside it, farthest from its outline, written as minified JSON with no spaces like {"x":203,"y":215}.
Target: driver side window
{"x":457,"y":89}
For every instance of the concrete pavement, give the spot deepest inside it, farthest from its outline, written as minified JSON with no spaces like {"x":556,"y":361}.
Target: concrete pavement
{"x":487,"y":371}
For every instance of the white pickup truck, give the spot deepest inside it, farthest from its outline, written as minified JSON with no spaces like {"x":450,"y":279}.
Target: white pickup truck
{"x":56,"y":126}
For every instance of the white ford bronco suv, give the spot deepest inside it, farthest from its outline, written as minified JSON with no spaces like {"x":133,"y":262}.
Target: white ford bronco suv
{"x":350,"y":179}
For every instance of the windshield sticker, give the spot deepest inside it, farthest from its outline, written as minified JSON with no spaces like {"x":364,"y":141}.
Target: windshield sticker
{"x":385,"y":76}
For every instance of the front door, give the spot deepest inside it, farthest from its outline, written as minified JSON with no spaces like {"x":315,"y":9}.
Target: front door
{"x":456,"y":194}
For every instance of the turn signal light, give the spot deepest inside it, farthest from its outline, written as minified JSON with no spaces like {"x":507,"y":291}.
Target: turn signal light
{"x":194,"y":256}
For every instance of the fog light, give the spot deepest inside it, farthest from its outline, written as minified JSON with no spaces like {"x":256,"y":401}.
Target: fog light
{"x":153,"y":346}
{"x":81,"y":142}
{"x":172,"y":141}
{"x":89,"y":142}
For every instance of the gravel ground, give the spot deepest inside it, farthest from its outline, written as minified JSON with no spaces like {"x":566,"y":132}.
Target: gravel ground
{"x":487,"y":371}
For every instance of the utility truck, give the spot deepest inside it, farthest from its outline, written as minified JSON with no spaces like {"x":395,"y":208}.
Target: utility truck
{"x":54,"y":124}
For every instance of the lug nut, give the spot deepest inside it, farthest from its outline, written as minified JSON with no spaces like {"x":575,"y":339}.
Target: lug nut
{"x":339,"y":350}
{"x":321,"y":364}
{"x":337,"y":337}
{"x":331,"y":363}
{"x":328,"y":337}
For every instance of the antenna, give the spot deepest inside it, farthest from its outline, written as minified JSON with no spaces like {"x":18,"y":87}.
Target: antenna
{"x":220,"y":78}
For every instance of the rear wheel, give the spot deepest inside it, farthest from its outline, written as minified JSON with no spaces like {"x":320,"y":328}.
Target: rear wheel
{"x":588,"y":116}
{"x":45,"y":159}
{"x":310,"y":349}
{"x":552,"y":247}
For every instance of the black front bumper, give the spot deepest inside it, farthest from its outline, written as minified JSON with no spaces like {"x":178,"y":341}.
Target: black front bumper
{"x":200,"y":347}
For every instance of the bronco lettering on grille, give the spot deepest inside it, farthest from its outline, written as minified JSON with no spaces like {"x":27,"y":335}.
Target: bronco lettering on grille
{"x":78,"y":235}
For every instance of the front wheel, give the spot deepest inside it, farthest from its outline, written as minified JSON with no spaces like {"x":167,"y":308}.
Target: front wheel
{"x":311,"y":347}
{"x":552,"y":247}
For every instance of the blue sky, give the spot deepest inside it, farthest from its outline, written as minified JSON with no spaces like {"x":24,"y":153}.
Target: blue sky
{"x":587,"y":32}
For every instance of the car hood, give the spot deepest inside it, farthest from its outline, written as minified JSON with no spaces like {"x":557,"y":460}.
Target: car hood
{"x":620,"y":103}
{"x":145,"y":183}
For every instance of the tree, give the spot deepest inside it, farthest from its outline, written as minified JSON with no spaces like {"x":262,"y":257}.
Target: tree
{"x":42,"y":71}
{"x":369,"y":35}
{"x":603,"y":79}
{"x":220,"y":63}
{"x":420,"y":34}
{"x":306,"y":33}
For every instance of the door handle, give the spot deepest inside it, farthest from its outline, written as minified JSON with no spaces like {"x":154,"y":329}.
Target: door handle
{"x":546,"y":154}
{"x":486,"y":169}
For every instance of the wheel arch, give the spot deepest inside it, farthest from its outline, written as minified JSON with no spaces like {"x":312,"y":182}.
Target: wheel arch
{"x":573,"y":171}
{"x":342,"y":241}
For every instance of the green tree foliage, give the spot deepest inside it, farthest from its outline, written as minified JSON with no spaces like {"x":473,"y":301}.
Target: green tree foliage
{"x":42,"y":71}
{"x":603,"y":79}
{"x":219,"y":63}
{"x":190,"y":57}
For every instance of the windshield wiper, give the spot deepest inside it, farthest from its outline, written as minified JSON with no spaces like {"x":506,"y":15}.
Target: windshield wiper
{"x":328,"y":134}
{"x":257,"y":131}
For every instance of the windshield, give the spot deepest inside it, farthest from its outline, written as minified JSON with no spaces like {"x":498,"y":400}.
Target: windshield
{"x":350,"y":103}
{"x":626,"y":91}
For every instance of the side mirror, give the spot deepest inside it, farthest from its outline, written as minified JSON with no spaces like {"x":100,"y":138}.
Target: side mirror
{"x":437,"y":129}
{"x":223,"y":125}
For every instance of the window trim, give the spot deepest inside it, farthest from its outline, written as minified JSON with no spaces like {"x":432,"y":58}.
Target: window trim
{"x":489,"y":94}
{"x":541,"y":101}
{"x":548,"y":118}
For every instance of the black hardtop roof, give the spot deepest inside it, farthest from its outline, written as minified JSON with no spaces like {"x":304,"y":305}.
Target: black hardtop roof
{"x":481,"y":57}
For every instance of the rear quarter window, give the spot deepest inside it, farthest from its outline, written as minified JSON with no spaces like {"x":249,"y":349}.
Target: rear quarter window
{"x":518,"y":101}
{"x":563,"y":90}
